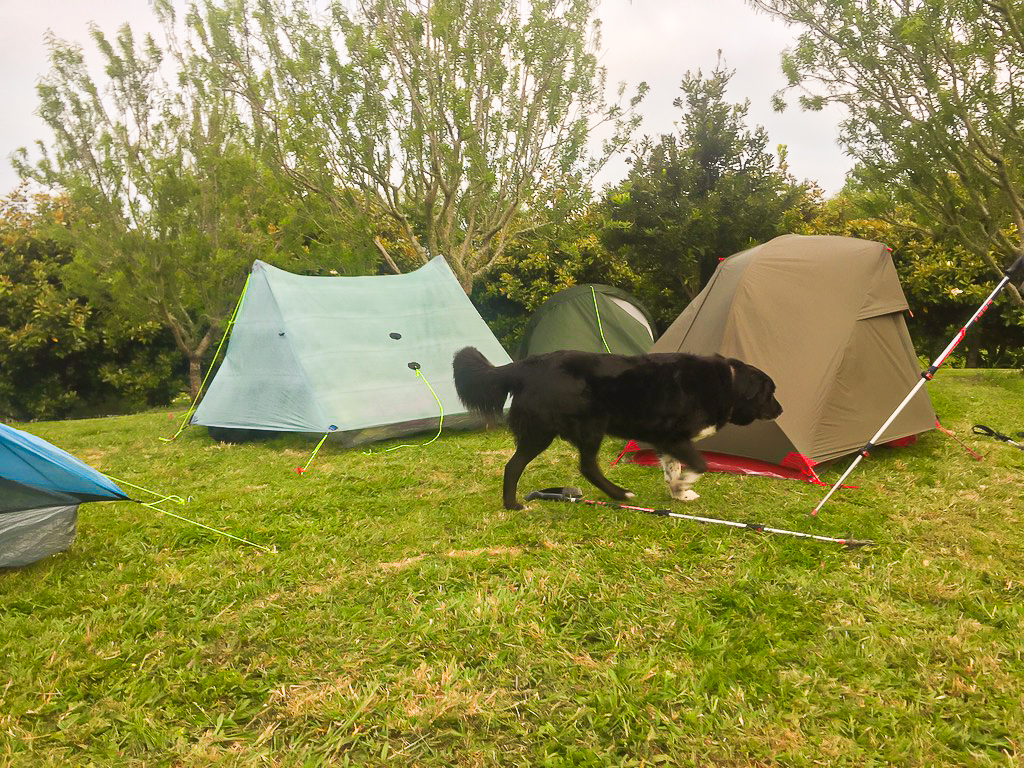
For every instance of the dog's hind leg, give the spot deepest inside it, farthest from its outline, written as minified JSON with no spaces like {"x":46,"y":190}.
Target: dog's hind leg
{"x":588,"y":446}
{"x":680,"y":481}
{"x":528,"y":447}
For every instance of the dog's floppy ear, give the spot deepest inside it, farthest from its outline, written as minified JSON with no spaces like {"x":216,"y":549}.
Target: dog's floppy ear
{"x":747,"y":381}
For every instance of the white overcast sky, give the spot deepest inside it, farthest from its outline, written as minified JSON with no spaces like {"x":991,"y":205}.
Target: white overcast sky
{"x":656,"y":41}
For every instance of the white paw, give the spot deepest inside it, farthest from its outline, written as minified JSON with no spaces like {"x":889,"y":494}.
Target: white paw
{"x":630,"y":495}
{"x":682,"y":493}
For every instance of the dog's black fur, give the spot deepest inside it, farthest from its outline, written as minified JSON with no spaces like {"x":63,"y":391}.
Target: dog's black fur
{"x":663,"y":399}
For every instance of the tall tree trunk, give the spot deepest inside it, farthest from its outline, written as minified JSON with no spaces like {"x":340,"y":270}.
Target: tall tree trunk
{"x":195,"y":375}
{"x":972,"y":347}
{"x":195,"y":361}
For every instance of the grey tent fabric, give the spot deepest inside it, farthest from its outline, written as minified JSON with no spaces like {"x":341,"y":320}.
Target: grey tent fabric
{"x":41,"y":487}
{"x":34,"y":523}
{"x":32,"y":534}
{"x":348,"y":355}
{"x":824,"y":317}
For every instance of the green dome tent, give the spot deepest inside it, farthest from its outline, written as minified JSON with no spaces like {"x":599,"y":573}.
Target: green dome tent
{"x":823,"y":316}
{"x":590,"y":318}
{"x":366,"y":358}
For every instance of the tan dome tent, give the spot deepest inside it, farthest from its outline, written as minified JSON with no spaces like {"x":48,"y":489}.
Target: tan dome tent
{"x":590,"y":318}
{"x":824,"y":317}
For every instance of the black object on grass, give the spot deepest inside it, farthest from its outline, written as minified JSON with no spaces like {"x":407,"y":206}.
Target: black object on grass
{"x":981,"y":429}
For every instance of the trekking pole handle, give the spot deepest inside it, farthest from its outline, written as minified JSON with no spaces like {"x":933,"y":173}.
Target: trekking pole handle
{"x":569,"y":493}
{"x":982,"y":429}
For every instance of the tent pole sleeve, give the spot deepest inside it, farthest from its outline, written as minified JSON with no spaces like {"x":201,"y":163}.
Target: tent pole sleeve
{"x":600,"y":325}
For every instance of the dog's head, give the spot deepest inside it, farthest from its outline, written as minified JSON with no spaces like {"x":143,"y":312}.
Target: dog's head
{"x":753,"y":394}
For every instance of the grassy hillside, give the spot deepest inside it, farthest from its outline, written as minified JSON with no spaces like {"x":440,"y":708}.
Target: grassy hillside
{"x":406,"y":619}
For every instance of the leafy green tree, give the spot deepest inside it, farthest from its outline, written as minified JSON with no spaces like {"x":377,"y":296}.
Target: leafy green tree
{"x":695,"y":198}
{"x":58,"y":355}
{"x":42,"y":333}
{"x":944,"y":283}
{"x":166,"y":174}
{"x":454,"y":118}
{"x":932,"y":96}
{"x":555,"y":254}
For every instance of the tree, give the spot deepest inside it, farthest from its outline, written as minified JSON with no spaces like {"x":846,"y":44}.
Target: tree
{"x":943,"y":282}
{"x":555,"y":254}
{"x":454,"y":118}
{"x":695,"y":198}
{"x":166,"y":175}
{"x":934,"y":113}
{"x":59,"y":355}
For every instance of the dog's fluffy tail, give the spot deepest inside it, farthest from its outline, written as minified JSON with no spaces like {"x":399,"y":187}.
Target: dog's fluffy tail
{"x":481,"y":386}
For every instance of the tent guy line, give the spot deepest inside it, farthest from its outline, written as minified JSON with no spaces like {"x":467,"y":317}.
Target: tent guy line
{"x":216,"y":356}
{"x":153,"y":506}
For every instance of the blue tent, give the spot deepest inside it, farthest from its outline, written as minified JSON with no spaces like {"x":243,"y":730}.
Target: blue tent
{"x":41,"y":487}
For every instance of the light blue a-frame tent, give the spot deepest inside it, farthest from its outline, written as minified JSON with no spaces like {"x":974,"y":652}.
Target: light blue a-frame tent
{"x":365,"y":358}
{"x":41,"y":487}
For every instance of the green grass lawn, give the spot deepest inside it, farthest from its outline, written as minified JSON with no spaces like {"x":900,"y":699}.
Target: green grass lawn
{"x":406,"y":619}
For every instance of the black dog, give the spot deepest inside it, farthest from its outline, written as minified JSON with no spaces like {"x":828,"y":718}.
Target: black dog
{"x":667,"y":400}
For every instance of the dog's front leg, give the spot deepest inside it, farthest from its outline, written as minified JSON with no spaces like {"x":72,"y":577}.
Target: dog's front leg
{"x":680,"y":481}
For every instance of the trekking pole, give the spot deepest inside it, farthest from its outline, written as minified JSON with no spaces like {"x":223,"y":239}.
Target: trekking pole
{"x":926,"y":376}
{"x":575,"y":496}
{"x":981,"y":429}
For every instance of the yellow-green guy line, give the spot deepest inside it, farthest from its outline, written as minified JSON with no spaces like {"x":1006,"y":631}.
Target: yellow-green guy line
{"x":227,"y":331}
{"x":440,"y":424}
{"x":600,"y":325}
{"x":179,"y":500}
